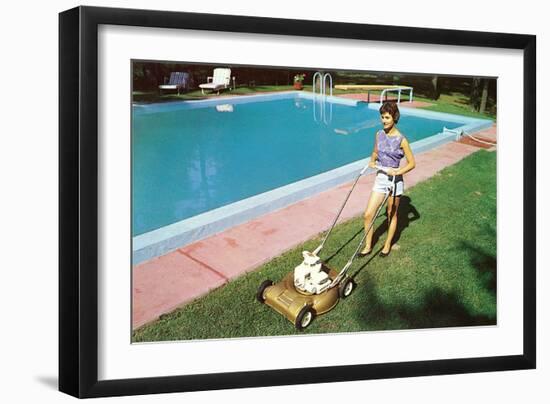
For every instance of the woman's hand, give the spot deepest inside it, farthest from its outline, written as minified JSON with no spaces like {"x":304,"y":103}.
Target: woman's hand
{"x":372,"y":164}
{"x":392,"y":171}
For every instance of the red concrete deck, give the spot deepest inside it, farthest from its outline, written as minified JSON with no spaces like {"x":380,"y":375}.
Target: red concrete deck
{"x":484,"y":138}
{"x":162,"y":284}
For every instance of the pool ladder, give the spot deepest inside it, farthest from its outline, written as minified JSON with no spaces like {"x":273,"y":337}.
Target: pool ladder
{"x":321,"y":78}
{"x":325,"y":116}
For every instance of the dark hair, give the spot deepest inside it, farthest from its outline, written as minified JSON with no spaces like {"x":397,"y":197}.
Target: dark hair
{"x":392,"y":109}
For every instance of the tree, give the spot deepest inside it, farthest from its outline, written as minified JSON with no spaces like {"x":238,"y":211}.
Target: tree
{"x":484,"y":93}
{"x":436,"y":88}
{"x":475,"y":93}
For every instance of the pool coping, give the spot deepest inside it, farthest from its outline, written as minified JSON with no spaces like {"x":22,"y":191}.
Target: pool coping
{"x":168,"y":238}
{"x":237,"y":99}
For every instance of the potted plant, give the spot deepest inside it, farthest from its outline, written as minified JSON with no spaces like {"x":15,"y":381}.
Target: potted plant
{"x":299,"y":81}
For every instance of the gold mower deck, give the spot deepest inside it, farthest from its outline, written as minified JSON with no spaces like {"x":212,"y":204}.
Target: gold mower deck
{"x":301,"y":307}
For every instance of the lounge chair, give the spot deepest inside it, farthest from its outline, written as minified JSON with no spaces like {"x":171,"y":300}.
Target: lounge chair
{"x":178,"y":81}
{"x":220,"y":80}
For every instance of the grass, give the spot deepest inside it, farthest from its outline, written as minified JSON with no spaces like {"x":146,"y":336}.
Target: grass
{"x":441,"y":273}
{"x":453,"y":103}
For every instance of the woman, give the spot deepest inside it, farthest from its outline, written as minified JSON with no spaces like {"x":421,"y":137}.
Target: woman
{"x":390,"y":147}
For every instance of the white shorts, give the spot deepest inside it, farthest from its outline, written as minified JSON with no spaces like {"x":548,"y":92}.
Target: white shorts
{"x":383,"y":182}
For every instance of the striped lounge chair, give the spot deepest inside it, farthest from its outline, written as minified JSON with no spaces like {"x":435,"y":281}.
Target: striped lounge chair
{"x":178,"y":81}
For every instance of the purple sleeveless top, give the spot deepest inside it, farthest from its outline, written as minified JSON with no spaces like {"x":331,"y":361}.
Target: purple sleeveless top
{"x":390,"y":152}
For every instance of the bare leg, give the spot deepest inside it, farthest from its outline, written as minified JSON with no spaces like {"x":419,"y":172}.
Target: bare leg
{"x":375,"y":199}
{"x":392,"y":222}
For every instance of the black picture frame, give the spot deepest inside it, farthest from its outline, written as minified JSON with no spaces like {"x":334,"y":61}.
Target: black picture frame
{"x":78,"y":200}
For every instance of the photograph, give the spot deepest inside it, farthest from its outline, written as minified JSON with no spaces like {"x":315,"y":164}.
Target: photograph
{"x":283,"y":200}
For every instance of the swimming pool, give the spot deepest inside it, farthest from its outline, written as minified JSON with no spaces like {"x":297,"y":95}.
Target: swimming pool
{"x":192,"y":159}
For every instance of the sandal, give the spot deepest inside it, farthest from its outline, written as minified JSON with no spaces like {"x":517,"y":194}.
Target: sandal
{"x":383,"y":254}
{"x":365,"y":253}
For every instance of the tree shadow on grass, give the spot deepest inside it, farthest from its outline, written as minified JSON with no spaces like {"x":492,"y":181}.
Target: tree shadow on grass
{"x":437,"y":308}
{"x":485,"y":263}
{"x":433,"y":307}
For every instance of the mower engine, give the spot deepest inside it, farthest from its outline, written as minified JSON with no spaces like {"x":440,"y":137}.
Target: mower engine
{"x":309,"y":276}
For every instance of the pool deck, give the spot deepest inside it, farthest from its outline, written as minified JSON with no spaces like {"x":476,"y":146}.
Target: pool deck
{"x":165,"y":283}
{"x":374,"y":98}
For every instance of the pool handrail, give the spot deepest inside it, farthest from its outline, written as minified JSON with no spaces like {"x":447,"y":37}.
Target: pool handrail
{"x":398,"y":89}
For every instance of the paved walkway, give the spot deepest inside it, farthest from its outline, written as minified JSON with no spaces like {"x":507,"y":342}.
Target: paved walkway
{"x":165,"y":283}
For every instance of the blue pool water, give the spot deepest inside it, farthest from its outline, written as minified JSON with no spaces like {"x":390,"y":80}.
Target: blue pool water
{"x":189,"y":160}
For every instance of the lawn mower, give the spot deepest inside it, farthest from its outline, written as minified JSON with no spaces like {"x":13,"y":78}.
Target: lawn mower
{"x":313,"y":288}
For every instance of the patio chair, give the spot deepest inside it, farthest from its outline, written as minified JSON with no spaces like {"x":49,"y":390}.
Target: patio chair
{"x":178,"y":81}
{"x":220,"y":80}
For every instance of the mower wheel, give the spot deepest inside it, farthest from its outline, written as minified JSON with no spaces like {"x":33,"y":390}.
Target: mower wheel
{"x":260,"y":293}
{"x":345,"y":288}
{"x":304,"y":318}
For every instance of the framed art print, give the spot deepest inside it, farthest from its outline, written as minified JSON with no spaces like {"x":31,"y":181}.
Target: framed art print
{"x":251,"y":201}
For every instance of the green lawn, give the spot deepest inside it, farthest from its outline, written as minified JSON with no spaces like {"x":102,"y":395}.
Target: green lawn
{"x":441,"y":273}
{"x":454,"y":103}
